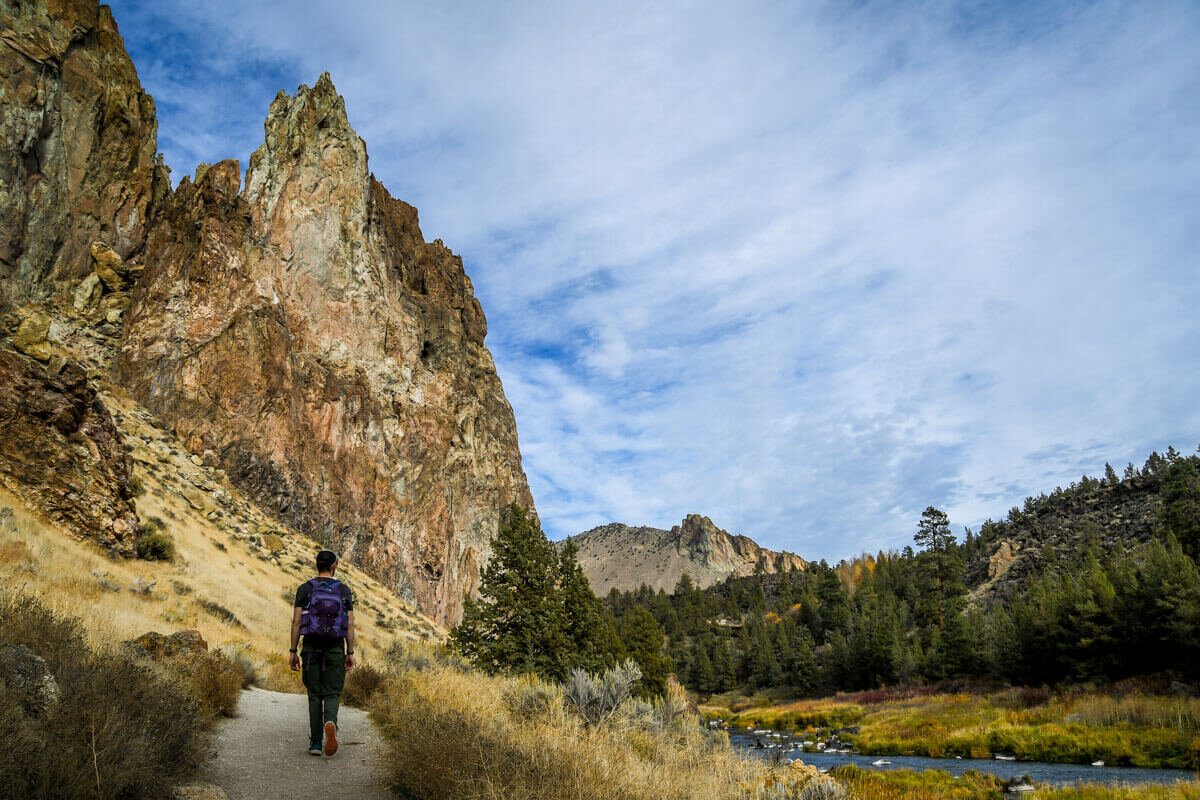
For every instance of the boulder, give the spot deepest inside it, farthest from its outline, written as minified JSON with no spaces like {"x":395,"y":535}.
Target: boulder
{"x":112,"y":281}
{"x":30,"y":337}
{"x":104,"y":257}
{"x":25,"y":677}
{"x":87,"y":295}
{"x":159,"y":646}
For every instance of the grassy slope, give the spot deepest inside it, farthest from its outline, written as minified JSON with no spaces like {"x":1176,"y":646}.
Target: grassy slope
{"x":228,"y":552}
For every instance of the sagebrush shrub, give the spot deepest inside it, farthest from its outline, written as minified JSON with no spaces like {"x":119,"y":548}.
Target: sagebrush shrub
{"x":362,"y":683}
{"x":597,"y":698}
{"x":122,"y":727}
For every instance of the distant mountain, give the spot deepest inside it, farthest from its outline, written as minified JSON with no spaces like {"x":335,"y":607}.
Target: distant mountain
{"x":618,"y":556}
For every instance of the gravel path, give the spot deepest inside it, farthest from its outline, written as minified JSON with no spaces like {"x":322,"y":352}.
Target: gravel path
{"x":262,"y":753}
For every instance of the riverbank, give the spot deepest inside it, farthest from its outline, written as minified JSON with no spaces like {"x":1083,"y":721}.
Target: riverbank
{"x":1120,"y":728}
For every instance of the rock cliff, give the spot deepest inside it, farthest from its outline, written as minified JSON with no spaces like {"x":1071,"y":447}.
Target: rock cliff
{"x":301,"y":334}
{"x":621,"y":557}
{"x":79,"y":161}
{"x":297,"y":332}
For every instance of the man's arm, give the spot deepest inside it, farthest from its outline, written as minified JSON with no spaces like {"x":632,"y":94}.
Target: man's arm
{"x":349,"y":640}
{"x":294,"y":660}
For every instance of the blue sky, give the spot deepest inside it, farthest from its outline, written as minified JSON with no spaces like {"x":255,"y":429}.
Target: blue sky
{"x":805,"y":268}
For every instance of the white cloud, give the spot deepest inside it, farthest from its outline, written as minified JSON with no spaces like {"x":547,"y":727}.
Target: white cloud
{"x":805,"y":270}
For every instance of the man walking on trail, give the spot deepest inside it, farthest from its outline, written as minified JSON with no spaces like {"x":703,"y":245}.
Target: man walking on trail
{"x":324,"y":615}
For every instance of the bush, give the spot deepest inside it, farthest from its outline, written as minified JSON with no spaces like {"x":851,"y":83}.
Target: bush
{"x":597,"y":698}
{"x":154,"y":545}
{"x":535,"y":699}
{"x":239,"y":654}
{"x":122,"y":728}
{"x":214,"y":680}
{"x":362,"y":683}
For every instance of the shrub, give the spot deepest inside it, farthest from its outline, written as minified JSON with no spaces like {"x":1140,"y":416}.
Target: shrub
{"x":214,"y":680}
{"x":239,"y":654}
{"x":596,"y":698}
{"x":220,"y":612}
{"x":154,"y":545}
{"x":362,"y":683}
{"x":821,"y":789}
{"x":121,"y":728}
{"x":529,"y":700}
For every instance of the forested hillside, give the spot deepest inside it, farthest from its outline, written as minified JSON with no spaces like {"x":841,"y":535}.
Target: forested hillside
{"x":1097,"y":581}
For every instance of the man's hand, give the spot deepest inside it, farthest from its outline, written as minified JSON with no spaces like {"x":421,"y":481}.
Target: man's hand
{"x":349,"y":661}
{"x":294,"y":662}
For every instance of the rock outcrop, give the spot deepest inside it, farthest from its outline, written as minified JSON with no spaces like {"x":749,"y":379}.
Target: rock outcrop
{"x":26,"y":681}
{"x":79,"y":160}
{"x":302,"y":335}
{"x":1112,"y":518}
{"x":60,"y":451}
{"x":618,"y":556}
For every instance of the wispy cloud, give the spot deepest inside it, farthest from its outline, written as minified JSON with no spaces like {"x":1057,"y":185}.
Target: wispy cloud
{"x":803,"y":268}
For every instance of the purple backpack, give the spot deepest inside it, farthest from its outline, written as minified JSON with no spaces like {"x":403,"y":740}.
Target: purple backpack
{"x":325,"y":615}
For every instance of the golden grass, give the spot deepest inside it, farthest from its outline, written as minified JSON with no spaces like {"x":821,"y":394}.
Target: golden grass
{"x":214,"y":564}
{"x":455,"y":734}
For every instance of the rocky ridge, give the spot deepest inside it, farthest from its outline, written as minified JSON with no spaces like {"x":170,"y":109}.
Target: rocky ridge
{"x":297,"y":333}
{"x":1114,"y":518}
{"x":622,"y":557}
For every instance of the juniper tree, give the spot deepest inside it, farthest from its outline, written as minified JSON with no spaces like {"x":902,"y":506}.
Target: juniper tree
{"x":517,"y":623}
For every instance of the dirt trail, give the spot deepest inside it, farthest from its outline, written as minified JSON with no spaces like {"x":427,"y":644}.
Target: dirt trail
{"x":262,"y":753}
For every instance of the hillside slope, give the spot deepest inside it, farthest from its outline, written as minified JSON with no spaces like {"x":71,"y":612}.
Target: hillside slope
{"x":616,"y":556}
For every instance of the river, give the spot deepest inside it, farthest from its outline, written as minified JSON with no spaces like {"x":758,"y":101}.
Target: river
{"x":1039,"y":771}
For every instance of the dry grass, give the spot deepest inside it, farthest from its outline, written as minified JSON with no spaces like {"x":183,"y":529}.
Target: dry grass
{"x":217,"y":565}
{"x":454,"y":734}
{"x":122,"y":727}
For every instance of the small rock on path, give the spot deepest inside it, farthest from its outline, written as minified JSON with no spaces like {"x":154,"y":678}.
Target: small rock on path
{"x":263,"y":753}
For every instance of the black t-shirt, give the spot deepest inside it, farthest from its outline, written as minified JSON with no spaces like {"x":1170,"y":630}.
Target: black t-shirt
{"x":312,"y":641}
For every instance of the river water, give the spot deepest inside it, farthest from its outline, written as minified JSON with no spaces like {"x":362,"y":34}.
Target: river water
{"x":1039,"y":771}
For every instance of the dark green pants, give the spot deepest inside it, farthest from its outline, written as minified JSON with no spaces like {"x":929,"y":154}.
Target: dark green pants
{"x":324,"y":676}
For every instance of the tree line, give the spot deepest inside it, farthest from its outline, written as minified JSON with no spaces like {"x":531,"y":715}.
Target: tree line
{"x":893,"y":618}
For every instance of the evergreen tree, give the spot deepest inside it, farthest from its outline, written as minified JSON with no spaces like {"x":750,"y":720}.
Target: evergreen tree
{"x":517,"y":622}
{"x":1180,"y":513}
{"x":705,"y":680}
{"x":643,"y":640}
{"x":724,"y":666}
{"x":933,"y":534}
{"x":588,"y":644}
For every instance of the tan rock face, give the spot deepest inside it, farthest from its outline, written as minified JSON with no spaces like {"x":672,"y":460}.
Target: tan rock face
{"x":61,"y":452}
{"x":618,"y":556}
{"x":304,"y":334}
{"x":79,"y":136}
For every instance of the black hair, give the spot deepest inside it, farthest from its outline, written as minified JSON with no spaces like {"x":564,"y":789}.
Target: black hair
{"x":325,"y":560}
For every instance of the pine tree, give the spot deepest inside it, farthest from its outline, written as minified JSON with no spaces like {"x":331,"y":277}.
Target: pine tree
{"x":1180,"y":513}
{"x":705,"y":679}
{"x":643,"y":640}
{"x":517,"y":622}
{"x":587,"y":641}
{"x":933,"y":534}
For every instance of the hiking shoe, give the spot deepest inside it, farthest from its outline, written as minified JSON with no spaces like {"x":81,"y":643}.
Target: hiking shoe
{"x":314,"y":749}
{"x":330,"y":738}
